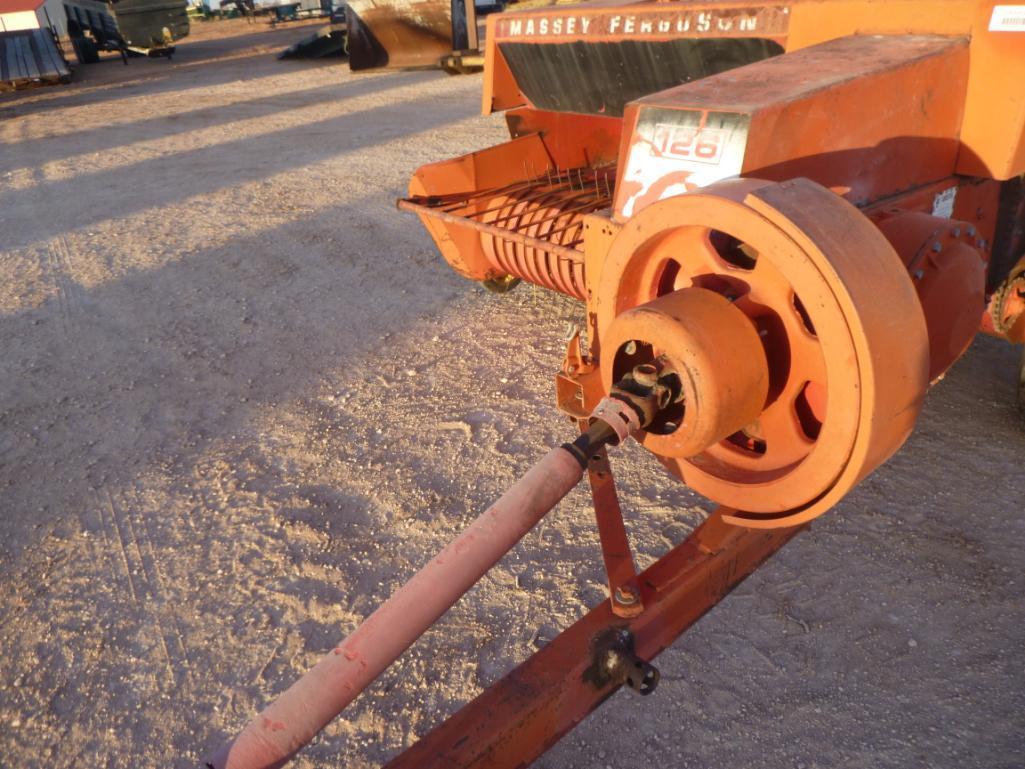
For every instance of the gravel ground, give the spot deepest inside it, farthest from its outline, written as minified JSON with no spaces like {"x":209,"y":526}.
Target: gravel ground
{"x":243,"y":398}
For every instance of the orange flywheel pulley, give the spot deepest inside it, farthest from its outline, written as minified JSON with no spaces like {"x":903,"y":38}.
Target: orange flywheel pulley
{"x":795,"y":332}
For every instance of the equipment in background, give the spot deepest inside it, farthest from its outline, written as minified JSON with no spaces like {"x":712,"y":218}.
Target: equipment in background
{"x":417,"y":34}
{"x":329,"y":40}
{"x":283,"y":12}
{"x":31,"y":57}
{"x":141,"y":27}
{"x":30,"y":49}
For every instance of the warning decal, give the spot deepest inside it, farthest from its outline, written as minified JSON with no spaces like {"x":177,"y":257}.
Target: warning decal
{"x":1007,"y":18}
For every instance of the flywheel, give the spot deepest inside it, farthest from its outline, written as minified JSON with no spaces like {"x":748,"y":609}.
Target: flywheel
{"x":795,"y":332}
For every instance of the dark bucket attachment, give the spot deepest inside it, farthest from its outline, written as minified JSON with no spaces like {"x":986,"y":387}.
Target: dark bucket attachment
{"x":329,"y":40}
{"x":407,"y":34}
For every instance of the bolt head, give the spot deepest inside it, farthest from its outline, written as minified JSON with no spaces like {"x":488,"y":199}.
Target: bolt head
{"x":626,"y":596}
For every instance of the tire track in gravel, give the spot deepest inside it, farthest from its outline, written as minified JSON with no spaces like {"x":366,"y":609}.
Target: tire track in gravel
{"x":135,"y":542}
{"x":168,"y":627}
{"x":59,"y":260}
{"x":112,"y":534}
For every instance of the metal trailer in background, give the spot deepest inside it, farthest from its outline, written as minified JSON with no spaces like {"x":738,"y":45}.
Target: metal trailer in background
{"x":31,"y":57}
{"x":143,"y":27}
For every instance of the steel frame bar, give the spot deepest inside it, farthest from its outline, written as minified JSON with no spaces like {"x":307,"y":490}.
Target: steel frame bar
{"x":456,"y":200}
{"x":516,"y":720}
{"x":615,"y":545}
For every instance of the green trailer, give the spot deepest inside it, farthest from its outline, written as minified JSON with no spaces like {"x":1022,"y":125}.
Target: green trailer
{"x":143,"y":27}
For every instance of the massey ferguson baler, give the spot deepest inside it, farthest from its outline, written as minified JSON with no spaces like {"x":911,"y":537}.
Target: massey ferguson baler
{"x":785,"y":219}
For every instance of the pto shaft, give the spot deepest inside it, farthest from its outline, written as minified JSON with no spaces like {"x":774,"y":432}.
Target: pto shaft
{"x":295,"y":718}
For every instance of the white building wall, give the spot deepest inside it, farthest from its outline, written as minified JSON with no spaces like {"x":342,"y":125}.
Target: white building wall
{"x":10,"y":22}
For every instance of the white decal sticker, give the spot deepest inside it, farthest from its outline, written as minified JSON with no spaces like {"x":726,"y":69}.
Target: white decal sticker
{"x":676,"y":151}
{"x":1007,"y":18}
{"x":943,"y":203}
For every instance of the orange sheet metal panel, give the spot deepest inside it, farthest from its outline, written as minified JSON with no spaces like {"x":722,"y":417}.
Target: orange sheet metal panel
{"x":572,"y":140}
{"x":494,"y":167}
{"x":993,"y":134}
{"x":993,"y":130}
{"x":500,"y":91}
{"x":867,"y":116}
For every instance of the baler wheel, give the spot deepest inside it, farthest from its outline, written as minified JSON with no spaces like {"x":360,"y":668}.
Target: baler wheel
{"x":835,"y":310}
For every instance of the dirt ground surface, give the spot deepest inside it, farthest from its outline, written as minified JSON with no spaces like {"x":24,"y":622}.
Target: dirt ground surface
{"x":242,"y":397}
